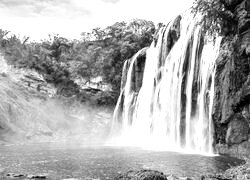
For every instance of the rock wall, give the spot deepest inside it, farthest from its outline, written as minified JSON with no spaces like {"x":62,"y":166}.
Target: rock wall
{"x":231,"y":111}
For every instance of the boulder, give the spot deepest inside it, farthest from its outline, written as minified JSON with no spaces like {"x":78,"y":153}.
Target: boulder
{"x":147,"y":174}
{"x":238,"y":130}
{"x":142,"y":175}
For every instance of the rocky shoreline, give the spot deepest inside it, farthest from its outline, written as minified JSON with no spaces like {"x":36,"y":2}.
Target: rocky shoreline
{"x":241,"y":172}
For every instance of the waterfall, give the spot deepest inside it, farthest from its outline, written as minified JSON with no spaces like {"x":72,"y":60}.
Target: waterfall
{"x":171,"y":110}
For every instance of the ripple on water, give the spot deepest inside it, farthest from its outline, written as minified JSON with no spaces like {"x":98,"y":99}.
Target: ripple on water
{"x":105,"y":162}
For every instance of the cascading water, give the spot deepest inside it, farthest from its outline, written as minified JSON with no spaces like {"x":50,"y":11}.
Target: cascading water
{"x":172,"y":108}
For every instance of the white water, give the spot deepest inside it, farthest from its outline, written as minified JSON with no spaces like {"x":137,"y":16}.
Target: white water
{"x":159,"y":120}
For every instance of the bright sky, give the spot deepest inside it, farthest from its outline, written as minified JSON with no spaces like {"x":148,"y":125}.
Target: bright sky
{"x":38,"y":18}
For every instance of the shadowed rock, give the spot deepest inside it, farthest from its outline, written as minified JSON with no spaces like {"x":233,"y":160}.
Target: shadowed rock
{"x":237,"y":131}
{"x":147,"y":175}
{"x":231,"y":109}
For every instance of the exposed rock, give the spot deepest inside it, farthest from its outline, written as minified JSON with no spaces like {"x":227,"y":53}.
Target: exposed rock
{"x":32,"y":80}
{"x":242,"y":13}
{"x":241,"y":172}
{"x":12,"y":175}
{"x":68,"y":88}
{"x":242,"y":98}
{"x":231,"y":109}
{"x":147,"y":175}
{"x":169,"y":39}
{"x":138,"y":65}
{"x":138,"y":61}
{"x":245,"y":44}
{"x":124,"y":73}
{"x":26,"y":177}
{"x":238,"y":130}
{"x":142,"y":175}
{"x":237,"y":150}
{"x":227,"y":81}
{"x":40,"y":176}
{"x":214,"y":177}
{"x":232,"y":3}
{"x":138,"y":70}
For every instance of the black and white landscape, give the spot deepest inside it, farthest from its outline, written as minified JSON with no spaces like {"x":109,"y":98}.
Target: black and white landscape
{"x":122,"y":89}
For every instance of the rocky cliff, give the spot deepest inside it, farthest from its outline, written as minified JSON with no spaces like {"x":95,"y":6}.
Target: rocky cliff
{"x":231,"y":110}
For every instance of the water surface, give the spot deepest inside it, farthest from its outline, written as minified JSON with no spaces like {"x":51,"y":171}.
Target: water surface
{"x":103,"y":162}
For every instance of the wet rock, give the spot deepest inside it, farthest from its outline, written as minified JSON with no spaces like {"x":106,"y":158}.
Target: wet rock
{"x":137,"y":70}
{"x":26,"y":177}
{"x":175,"y":29}
{"x":169,"y":39}
{"x":232,"y":3}
{"x":215,"y":177}
{"x":241,"y":150}
{"x":232,"y":97}
{"x":242,"y":13}
{"x":12,"y":175}
{"x":142,"y":175}
{"x":147,"y":174}
{"x":238,"y":130}
{"x":124,"y":73}
{"x":40,"y":176}
{"x":174,"y":34}
{"x":242,"y":98}
{"x":245,"y":44}
{"x":137,"y":63}
{"x":238,"y":173}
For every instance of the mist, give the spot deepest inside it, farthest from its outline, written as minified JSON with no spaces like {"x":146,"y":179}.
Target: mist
{"x":27,"y":116}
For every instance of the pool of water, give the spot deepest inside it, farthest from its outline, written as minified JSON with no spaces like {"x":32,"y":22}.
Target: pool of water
{"x":80,"y":163}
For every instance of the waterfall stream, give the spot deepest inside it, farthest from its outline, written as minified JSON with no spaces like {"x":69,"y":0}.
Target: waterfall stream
{"x":172,"y":108}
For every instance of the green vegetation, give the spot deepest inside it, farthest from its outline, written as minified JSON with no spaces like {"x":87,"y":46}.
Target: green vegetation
{"x":100,"y":53}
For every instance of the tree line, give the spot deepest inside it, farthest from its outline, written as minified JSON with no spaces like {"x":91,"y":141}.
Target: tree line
{"x":99,"y":53}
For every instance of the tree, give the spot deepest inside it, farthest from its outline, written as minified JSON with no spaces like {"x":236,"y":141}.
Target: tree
{"x":215,"y":18}
{"x":121,"y":41}
{"x":100,"y":52}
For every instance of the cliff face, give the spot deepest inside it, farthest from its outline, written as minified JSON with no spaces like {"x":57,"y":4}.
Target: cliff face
{"x":231,"y":110}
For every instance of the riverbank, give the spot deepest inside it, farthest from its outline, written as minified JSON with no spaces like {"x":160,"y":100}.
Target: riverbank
{"x":241,"y":172}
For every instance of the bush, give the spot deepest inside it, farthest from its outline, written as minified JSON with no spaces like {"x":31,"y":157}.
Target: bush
{"x":216,"y":19}
{"x":100,"y":53}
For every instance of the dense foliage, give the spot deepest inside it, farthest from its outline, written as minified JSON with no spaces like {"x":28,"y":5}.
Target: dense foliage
{"x":215,"y":17}
{"x":100,"y":53}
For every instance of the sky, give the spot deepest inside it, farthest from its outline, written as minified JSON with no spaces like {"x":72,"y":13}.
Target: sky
{"x":68,"y":18}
